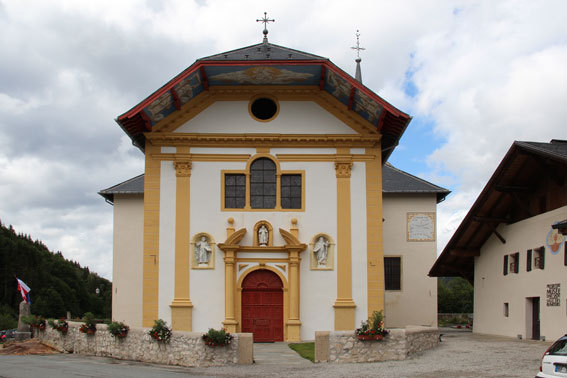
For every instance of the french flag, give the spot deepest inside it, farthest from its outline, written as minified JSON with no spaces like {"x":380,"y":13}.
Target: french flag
{"x":24,"y":290}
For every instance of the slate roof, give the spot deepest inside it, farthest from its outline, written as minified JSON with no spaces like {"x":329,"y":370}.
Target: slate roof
{"x":394,"y":181}
{"x":134,"y":185}
{"x":263,"y":51}
{"x":265,"y":64}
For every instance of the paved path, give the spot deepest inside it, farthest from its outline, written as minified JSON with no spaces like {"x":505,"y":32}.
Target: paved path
{"x":277,"y":354}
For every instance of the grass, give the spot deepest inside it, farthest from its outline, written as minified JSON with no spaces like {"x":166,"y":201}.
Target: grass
{"x":305,"y":350}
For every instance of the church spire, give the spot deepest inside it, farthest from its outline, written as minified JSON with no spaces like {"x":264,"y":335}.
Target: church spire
{"x":265,"y":20}
{"x":358,"y":74}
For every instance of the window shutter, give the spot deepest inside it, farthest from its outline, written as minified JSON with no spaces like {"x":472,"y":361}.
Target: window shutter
{"x":542,"y":258}
{"x":517,"y":262}
{"x":505,"y":265}
{"x":529,"y":261}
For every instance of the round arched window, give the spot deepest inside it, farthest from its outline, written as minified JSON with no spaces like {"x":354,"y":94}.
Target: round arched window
{"x":263,"y":108}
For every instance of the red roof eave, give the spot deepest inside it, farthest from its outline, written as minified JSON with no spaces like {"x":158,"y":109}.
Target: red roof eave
{"x":199,"y":64}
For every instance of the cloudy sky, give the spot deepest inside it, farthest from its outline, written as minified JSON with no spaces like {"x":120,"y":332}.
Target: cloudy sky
{"x":475,"y":76}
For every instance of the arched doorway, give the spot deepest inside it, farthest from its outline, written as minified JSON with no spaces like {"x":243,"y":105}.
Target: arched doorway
{"x":262,"y":306}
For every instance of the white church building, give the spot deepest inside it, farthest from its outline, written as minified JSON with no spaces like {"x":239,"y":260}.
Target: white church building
{"x":267,"y":205}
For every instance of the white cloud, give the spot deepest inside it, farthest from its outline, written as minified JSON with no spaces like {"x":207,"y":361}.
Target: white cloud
{"x":486,"y":73}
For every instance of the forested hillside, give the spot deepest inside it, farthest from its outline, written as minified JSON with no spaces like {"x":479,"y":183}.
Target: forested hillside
{"x":57,"y":285}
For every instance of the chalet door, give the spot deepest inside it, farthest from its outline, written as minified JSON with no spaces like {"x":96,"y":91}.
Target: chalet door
{"x":535,"y":318}
{"x":262,"y":306}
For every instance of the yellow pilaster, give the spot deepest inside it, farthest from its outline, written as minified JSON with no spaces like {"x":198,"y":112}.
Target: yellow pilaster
{"x":375,"y":253}
{"x":181,"y":307}
{"x":294,"y":323}
{"x":151,"y":237}
{"x":230,"y":321}
{"x":344,"y":304}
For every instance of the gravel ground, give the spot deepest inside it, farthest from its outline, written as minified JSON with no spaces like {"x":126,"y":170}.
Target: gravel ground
{"x":461,"y":354}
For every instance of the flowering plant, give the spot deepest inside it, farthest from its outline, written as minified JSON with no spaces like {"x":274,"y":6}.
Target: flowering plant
{"x":89,"y":325}
{"x":160,"y":331}
{"x":215,"y":338}
{"x":118,"y":329}
{"x":35,"y":321}
{"x":59,"y":325}
{"x":373,"y":328}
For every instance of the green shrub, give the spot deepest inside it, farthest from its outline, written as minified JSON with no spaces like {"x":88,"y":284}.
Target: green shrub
{"x":215,"y":338}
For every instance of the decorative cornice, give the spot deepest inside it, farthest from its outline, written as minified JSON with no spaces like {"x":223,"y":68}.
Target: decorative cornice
{"x":343,"y":169}
{"x":182,"y":168}
{"x":256,"y":140}
{"x":235,"y":238}
{"x":289,"y":238}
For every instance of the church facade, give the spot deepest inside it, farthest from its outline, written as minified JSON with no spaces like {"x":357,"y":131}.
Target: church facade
{"x":261,"y":207}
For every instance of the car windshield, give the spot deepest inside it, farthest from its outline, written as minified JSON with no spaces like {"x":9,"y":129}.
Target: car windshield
{"x":559,"y":348}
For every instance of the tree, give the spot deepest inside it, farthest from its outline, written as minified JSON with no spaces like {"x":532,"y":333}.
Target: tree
{"x":454,"y":295}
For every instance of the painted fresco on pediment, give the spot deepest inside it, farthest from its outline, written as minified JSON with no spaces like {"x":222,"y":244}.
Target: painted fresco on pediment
{"x":338,"y":87}
{"x":188,"y":88}
{"x":554,"y":240}
{"x":160,"y":108}
{"x":366,"y":107}
{"x":262,"y":75}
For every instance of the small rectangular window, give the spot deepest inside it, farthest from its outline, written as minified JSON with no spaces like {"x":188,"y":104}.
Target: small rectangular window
{"x":515,"y":262}
{"x":529,"y":261}
{"x":505,"y":272}
{"x":506,"y":309}
{"x":291,"y":191}
{"x":565,"y":254}
{"x":539,"y":260}
{"x":392,"y":273}
{"x":234,"y":191}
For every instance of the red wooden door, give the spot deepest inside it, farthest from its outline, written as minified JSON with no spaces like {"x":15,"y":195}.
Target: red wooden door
{"x":262,"y":306}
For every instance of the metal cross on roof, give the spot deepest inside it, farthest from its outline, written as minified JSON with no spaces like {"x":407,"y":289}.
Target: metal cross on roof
{"x":357,"y":47}
{"x":265,"y":20}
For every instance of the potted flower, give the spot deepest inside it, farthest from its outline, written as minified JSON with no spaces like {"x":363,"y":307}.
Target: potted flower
{"x":89,"y":325}
{"x":373,"y":328}
{"x":35,"y":322}
{"x":160,"y":331}
{"x":215,"y":338}
{"x":60,"y":325}
{"x":118,"y":329}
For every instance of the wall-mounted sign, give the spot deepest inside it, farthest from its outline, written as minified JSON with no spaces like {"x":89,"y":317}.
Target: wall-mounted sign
{"x":421,"y":227}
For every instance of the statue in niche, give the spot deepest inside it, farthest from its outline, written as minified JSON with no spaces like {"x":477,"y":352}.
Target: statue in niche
{"x":202,"y":251}
{"x":321,"y":250}
{"x":263,"y":236}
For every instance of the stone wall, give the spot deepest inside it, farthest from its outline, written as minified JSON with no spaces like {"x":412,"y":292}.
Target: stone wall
{"x":343,"y":346}
{"x":184,"y":348}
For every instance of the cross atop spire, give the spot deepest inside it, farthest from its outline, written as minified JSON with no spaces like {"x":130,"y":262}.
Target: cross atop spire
{"x":265,"y":20}
{"x":358,"y":74}
{"x":357,"y":47}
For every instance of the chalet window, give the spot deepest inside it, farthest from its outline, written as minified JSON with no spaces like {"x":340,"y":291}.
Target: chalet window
{"x":263,"y":184}
{"x":392,"y":273}
{"x":234,"y":191}
{"x":506,"y":309}
{"x":514,"y":262}
{"x":291,"y":191}
{"x":505,"y":272}
{"x":529,"y":261}
{"x":539,"y":259}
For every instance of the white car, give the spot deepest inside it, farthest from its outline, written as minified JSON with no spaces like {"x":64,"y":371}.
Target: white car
{"x":554,"y":360}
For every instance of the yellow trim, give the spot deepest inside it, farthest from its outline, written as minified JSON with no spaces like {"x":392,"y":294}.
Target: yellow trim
{"x":374,"y":232}
{"x":268,"y":96}
{"x":246,"y":173}
{"x":150,"y":289}
{"x":181,"y":306}
{"x":263,"y":150}
{"x":262,"y":140}
{"x":319,"y":157}
{"x":344,"y":305}
{"x":283,"y":93}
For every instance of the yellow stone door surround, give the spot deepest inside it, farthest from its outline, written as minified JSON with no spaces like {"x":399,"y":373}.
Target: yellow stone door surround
{"x":233,"y":289}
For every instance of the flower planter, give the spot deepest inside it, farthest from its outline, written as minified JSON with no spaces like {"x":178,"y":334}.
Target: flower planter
{"x":370,"y":337}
